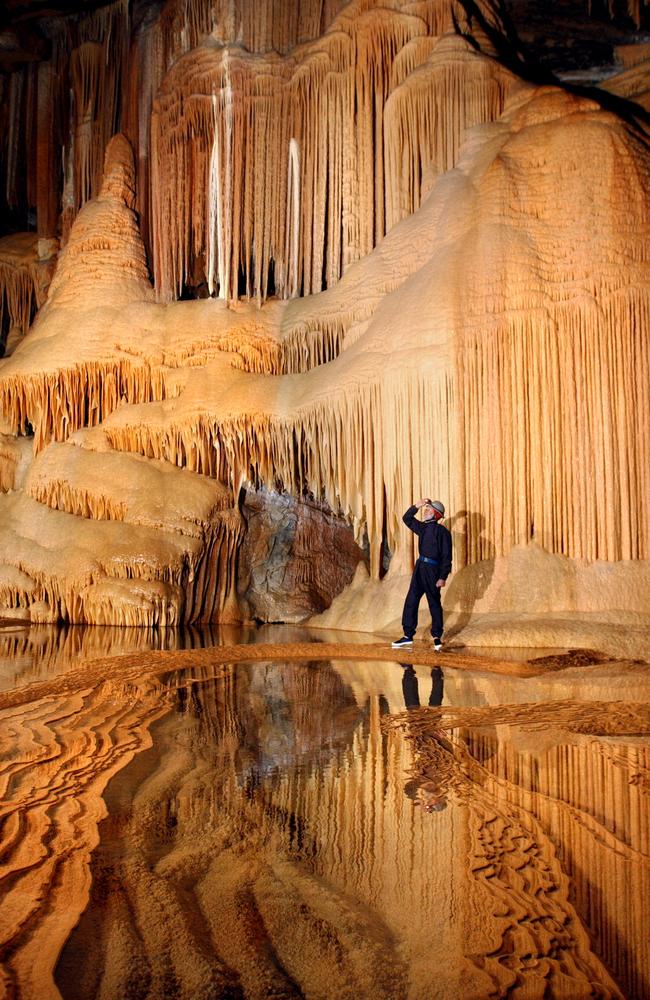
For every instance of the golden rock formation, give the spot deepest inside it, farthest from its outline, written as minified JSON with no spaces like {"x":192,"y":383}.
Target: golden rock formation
{"x":26,"y":264}
{"x":482,"y":332}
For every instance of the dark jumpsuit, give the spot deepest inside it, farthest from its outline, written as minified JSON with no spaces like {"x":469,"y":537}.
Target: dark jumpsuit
{"x":434,"y":542}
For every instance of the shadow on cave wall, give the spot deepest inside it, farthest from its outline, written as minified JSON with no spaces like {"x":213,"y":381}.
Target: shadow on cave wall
{"x":471,"y":582}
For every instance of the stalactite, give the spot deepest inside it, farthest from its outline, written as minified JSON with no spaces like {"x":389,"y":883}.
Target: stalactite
{"x":587,"y":503}
{"x":146,"y":69}
{"x":17,"y":296}
{"x":47,"y":186}
{"x":282,"y":171}
{"x":571,"y":471}
{"x":427,"y":116}
{"x":14,"y":142}
{"x":17,"y":589}
{"x":303,"y":347}
{"x":212,"y":593}
{"x":120,"y":487}
{"x":634,"y":9}
{"x":86,"y":71}
{"x":564,"y":363}
{"x":271,"y":26}
{"x":239,"y":116}
{"x":57,"y":404}
{"x":166,"y":579}
{"x":345,"y":449}
{"x":214,"y":206}
{"x":408,"y":59}
{"x":22,"y":286}
{"x":90,"y":58}
{"x":101,"y":91}
{"x":293,"y":218}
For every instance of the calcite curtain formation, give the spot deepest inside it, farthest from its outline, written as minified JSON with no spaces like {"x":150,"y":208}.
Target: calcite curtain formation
{"x":249,"y":127}
{"x":416,"y":272}
{"x":19,"y":283}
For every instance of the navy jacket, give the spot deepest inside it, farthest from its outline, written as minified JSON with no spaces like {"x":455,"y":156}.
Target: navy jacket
{"x":434,"y":541}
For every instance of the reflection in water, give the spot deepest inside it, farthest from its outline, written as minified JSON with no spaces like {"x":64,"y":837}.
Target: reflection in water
{"x":428,"y":792}
{"x":591,"y":798}
{"x":411,"y":690}
{"x":36,"y":652}
{"x":255,"y":840}
{"x":555,"y":820}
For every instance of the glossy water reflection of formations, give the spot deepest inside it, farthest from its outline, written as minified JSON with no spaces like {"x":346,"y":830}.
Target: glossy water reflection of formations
{"x":276,"y":829}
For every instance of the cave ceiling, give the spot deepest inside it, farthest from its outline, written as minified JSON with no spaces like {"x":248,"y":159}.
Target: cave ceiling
{"x":563,"y":36}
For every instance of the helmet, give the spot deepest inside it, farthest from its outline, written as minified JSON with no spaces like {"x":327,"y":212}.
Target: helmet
{"x":439,"y":506}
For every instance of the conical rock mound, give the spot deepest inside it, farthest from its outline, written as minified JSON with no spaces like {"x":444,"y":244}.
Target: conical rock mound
{"x":104,"y":259}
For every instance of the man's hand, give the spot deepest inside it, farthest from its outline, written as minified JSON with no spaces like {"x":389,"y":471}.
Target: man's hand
{"x":421,"y":503}
{"x":440,"y":583}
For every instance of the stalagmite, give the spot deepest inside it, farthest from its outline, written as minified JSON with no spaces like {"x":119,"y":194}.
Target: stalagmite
{"x":182,"y":565}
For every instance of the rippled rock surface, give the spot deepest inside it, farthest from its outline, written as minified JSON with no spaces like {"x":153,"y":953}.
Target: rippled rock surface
{"x":325,"y":828}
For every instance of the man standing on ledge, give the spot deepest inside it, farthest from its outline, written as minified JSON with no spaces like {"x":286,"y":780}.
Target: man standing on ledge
{"x":431,"y":570}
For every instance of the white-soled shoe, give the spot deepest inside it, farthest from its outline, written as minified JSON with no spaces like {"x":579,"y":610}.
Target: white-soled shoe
{"x":404,"y":641}
{"x":437,"y":644}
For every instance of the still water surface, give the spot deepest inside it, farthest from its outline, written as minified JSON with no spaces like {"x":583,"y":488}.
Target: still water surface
{"x":322,"y":829}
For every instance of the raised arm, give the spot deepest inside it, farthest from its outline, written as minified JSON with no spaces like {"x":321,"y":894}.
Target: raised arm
{"x":409,"y":518}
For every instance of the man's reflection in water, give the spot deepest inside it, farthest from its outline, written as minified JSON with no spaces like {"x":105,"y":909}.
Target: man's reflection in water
{"x":427,"y":792}
{"x":410,"y":686}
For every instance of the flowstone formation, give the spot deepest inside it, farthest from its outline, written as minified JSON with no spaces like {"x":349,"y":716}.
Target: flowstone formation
{"x":351,"y":258}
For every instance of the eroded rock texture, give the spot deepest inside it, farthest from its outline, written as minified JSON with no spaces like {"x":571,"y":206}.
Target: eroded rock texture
{"x":417,"y":272}
{"x":295,"y":558}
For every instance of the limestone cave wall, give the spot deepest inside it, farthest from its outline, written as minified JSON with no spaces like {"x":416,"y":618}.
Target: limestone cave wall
{"x":343,"y":254}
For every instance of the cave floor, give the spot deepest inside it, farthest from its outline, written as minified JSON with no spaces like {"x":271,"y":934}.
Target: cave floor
{"x":283,"y":812}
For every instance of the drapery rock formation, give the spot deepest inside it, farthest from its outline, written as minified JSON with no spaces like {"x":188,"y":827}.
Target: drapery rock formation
{"x":416,"y":271}
{"x":152,"y":540}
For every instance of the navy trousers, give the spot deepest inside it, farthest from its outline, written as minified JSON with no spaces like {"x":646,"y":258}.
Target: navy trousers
{"x":423,"y":581}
